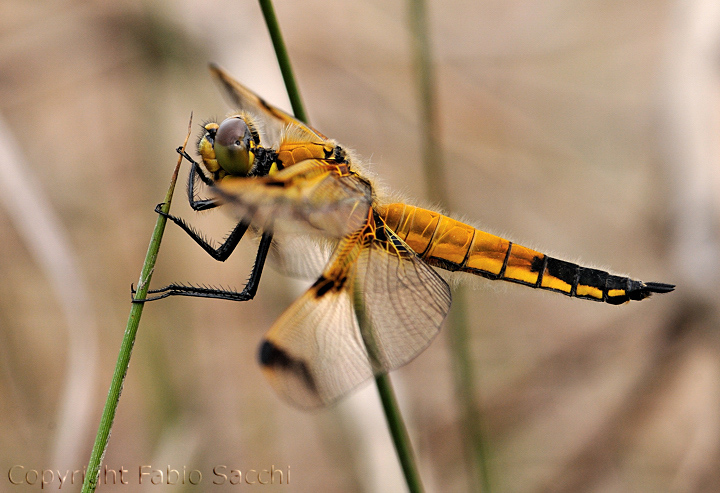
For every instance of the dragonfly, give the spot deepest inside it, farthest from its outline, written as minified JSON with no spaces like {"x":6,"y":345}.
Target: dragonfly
{"x":378,"y":300}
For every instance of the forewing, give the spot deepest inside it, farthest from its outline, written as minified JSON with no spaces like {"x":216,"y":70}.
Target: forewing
{"x":316,"y":352}
{"x":244,"y":99}
{"x":314,"y":196}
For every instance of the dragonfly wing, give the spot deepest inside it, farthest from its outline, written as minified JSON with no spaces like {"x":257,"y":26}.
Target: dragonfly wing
{"x":317,"y":352}
{"x":313,"y":354}
{"x":314,"y":196}
{"x":301,"y":256}
{"x":404,"y":300}
{"x":244,"y":99}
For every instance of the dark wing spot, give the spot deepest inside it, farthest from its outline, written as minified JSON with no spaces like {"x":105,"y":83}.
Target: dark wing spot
{"x":324,"y":284}
{"x":266,"y":105}
{"x":271,"y":356}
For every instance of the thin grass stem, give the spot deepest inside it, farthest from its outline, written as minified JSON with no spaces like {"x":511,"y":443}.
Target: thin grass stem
{"x":283,"y":60}
{"x":393,"y":416}
{"x":399,"y":433}
{"x":123,"y":362}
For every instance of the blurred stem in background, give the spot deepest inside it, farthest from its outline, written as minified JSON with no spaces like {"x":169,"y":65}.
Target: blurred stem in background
{"x":433,"y":167}
{"x":396,"y":425}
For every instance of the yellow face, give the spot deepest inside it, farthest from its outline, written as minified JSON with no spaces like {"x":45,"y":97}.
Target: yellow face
{"x":205,"y":147}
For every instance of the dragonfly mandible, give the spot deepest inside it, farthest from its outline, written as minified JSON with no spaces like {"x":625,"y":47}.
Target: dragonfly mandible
{"x":379,"y":282}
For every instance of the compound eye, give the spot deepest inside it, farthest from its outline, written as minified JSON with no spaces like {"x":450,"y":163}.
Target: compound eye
{"x":233,"y":142}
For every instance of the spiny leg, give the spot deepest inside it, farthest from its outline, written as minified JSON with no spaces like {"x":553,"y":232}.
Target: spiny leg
{"x":246,"y":294}
{"x":220,"y":253}
{"x":197,"y":175}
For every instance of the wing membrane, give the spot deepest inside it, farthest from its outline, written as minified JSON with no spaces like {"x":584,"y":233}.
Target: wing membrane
{"x":405,"y":300}
{"x":244,"y":99}
{"x":301,"y":256}
{"x":313,"y":196}
{"x":316,"y":352}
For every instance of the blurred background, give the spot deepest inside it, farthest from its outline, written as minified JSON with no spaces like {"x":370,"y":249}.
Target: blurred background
{"x":588,"y":130}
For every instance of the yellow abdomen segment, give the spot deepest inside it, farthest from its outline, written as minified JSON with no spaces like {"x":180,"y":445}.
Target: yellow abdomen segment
{"x":451,"y":245}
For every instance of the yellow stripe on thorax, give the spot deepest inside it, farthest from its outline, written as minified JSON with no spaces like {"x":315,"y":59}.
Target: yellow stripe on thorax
{"x":291,"y":152}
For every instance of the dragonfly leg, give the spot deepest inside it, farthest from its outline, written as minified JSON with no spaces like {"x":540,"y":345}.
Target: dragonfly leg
{"x":196,"y":176}
{"x":228,"y":246}
{"x":220,"y":253}
{"x":246,"y":294}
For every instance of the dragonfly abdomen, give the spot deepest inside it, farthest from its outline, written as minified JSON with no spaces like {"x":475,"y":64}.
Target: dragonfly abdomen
{"x":454,"y":246}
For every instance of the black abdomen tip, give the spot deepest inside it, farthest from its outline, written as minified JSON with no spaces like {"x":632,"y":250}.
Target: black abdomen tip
{"x":637,"y":290}
{"x":659,"y":287}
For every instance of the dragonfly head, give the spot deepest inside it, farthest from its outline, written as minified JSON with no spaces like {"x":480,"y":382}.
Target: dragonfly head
{"x":234,"y":146}
{"x":205,"y":147}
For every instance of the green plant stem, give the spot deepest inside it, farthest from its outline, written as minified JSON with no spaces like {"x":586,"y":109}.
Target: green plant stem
{"x":433,"y":165}
{"x":399,"y":433}
{"x":283,"y":60}
{"x":393,"y":416}
{"x":123,"y":362}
